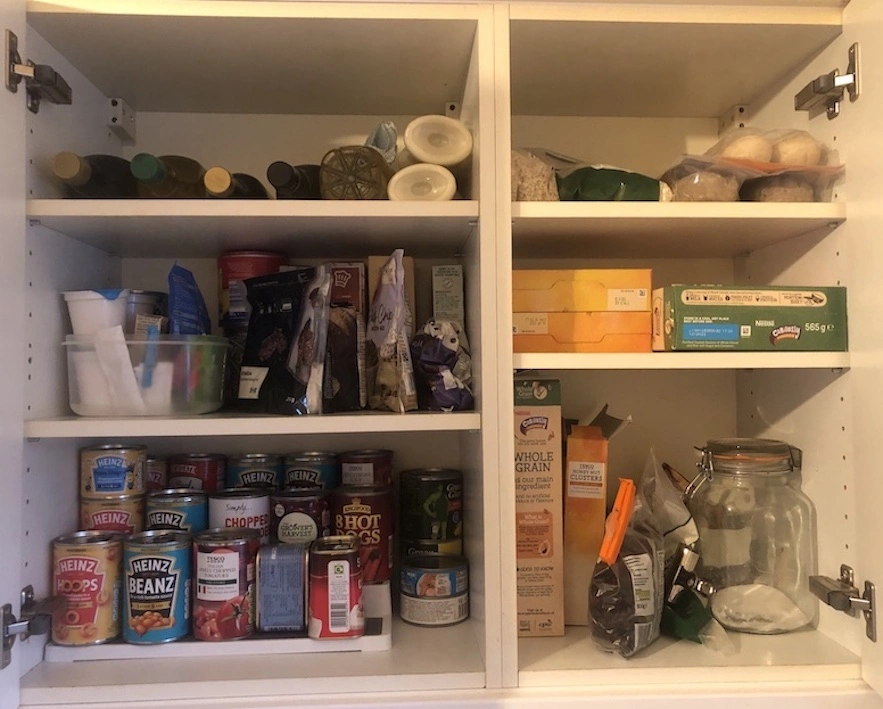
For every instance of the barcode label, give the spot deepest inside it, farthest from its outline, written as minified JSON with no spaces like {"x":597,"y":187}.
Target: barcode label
{"x":238,"y":298}
{"x":643,"y":633}
{"x":338,"y":617}
{"x":339,"y":596}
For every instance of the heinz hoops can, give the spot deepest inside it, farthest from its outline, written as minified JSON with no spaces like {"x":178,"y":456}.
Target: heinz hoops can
{"x":431,"y":503}
{"x":112,"y":470}
{"x":156,"y":594}
{"x":242,"y":508}
{"x":254,"y":470}
{"x":199,"y":471}
{"x":177,"y":508}
{"x":86,"y":572}
{"x":299,"y":515}
{"x":366,"y":467}
{"x":368,"y":513}
{"x":156,"y":473}
{"x":311,"y":469}
{"x":335,"y":589}
{"x":113,"y":513}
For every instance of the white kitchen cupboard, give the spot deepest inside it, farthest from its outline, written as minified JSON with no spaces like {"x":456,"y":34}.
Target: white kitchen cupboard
{"x":244,"y":83}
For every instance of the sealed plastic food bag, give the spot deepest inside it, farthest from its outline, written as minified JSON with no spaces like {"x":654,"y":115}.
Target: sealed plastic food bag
{"x":533,"y":179}
{"x":187,"y":312}
{"x":599,"y":183}
{"x":442,"y":367}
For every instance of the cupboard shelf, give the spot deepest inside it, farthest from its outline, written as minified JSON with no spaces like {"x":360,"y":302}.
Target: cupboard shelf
{"x":683,"y":360}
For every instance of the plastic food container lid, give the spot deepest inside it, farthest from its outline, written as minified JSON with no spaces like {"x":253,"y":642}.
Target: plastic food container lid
{"x":422,"y":182}
{"x":107,"y":294}
{"x":438,"y":140}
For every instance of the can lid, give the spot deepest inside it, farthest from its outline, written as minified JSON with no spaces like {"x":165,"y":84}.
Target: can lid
{"x":311,"y":455}
{"x":176,"y":493}
{"x":113,"y":447}
{"x":367,"y":453}
{"x":92,"y":536}
{"x":433,"y":474}
{"x":115,"y":497}
{"x":435,"y":562}
{"x":336,"y":543}
{"x":157,"y":537}
{"x":750,"y":456}
{"x":301,"y":493}
{"x":227,"y":535}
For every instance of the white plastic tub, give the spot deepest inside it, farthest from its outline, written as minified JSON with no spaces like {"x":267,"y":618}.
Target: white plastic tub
{"x":94,"y":310}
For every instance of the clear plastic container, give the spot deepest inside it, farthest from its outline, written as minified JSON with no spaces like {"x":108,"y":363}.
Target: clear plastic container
{"x":171,"y":375}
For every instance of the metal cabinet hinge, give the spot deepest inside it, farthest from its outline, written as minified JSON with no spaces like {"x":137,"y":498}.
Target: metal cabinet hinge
{"x":36,"y":619}
{"x":41,"y":80}
{"x":827,"y":90}
{"x":843,"y":595}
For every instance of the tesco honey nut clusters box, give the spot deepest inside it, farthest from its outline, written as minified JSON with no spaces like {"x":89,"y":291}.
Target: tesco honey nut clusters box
{"x":581,"y":310}
{"x":538,"y":508}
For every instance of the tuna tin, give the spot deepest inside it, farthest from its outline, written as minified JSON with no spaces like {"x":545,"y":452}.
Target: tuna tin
{"x":86,"y":572}
{"x":434,"y":575}
{"x":254,"y":470}
{"x":311,"y":469}
{"x":336,"y":588}
{"x":299,"y":515}
{"x":113,"y":513}
{"x":199,"y":471}
{"x":177,"y":508}
{"x":242,"y":508}
{"x":434,"y":612}
{"x":282,"y":576}
{"x":366,"y":467}
{"x":409,"y":547}
{"x":223,"y":577}
{"x":431,"y":503}
{"x":157,"y":576}
{"x":157,"y":475}
{"x":368,"y":513}
{"x":112,"y":470}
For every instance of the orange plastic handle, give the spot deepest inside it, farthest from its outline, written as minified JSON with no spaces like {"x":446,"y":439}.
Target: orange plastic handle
{"x":618,"y":521}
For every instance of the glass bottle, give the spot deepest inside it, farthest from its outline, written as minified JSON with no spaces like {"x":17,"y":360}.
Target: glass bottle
{"x":168,"y":177}
{"x":94,"y":176}
{"x":294,"y":181}
{"x":233,"y":185}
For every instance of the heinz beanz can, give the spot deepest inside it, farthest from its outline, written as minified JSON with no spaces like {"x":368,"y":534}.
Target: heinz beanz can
{"x":156,"y":593}
{"x":177,"y":508}
{"x":299,"y":515}
{"x":311,"y":469}
{"x":156,"y":473}
{"x":199,"y":471}
{"x":86,"y":573}
{"x":368,"y":513}
{"x":366,"y":467}
{"x":112,"y":470}
{"x":254,"y":470}
{"x":431,"y":503}
{"x":113,"y":513}
{"x":241,"y":508}
{"x":282,"y":577}
{"x":335,"y":589}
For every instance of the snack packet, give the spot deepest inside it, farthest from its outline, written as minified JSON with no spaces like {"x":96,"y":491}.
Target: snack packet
{"x":187,"y":312}
{"x":442,"y":367}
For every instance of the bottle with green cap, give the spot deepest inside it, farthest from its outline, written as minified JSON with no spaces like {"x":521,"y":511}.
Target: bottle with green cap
{"x":168,"y":177}
{"x":222,"y":183}
{"x":94,"y":176}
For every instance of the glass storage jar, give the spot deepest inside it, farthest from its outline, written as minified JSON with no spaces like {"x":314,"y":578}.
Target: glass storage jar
{"x":756,"y":534}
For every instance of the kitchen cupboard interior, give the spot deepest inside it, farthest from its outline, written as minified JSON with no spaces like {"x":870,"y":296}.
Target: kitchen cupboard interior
{"x":244,"y":83}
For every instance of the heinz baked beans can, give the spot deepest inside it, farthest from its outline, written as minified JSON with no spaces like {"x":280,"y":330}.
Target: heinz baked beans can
{"x":431,"y":503}
{"x":156,"y":593}
{"x":86,"y":573}
{"x":157,"y":473}
{"x":113,"y":513}
{"x":241,"y":508}
{"x":335,"y":589}
{"x":366,"y":467}
{"x":112,"y":470}
{"x":299,"y":515}
{"x":254,"y":470}
{"x":177,"y":508}
{"x":409,"y":547}
{"x":311,"y":469}
{"x":282,"y":577}
{"x":199,"y":471}
{"x":223,"y":578}
{"x":368,"y":513}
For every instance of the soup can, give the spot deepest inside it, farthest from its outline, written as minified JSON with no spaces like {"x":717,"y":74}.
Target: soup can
{"x":254,"y":470}
{"x":335,"y":588}
{"x":113,"y":513}
{"x":157,"y":475}
{"x":223,"y":578}
{"x":366,"y":467}
{"x":241,"y":508}
{"x":156,"y":594}
{"x":199,"y":471}
{"x":282,"y":577}
{"x":177,"y":508}
{"x":368,"y":513}
{"x":86,"y":573}
{"x":409,"y":547}
{"x":431,"y":503}
{"x":311,"y":469}
{"x":299,"y":515}
{"x":112,"y":470}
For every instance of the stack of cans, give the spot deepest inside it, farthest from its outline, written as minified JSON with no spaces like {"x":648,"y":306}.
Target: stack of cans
{"x":112,"y":486}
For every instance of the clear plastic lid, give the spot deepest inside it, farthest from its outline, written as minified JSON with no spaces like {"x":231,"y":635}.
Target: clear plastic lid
{"x":750,"y":456}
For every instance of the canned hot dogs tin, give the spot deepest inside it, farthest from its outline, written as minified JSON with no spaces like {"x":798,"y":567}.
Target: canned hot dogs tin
{"x":311,"y":469}
{"x":409,"y":547}
{"x":299,"y":515}
{"x":112,"y":470}
{"x":242,"y":508}
{"x":157,"y":475}
{"x":254,"y":470}
{"x":366,"y":467}
{"x":435,"y":575}
{"x":368,"y":513}
{"x":223,"y":577}
{"x":86,"y":572}
{"x":113,"y":513}
{"x":177,"y":508}
{"x":199,"y":471}
{"x":156,"y":593}
{"x":335,"y":588}
{"x":282,"y":577}
{"x":431,"y":503}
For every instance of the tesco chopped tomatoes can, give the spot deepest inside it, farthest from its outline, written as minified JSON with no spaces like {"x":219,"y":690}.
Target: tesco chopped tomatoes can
{"x":224,"y":583}
{"x":335,"y":593}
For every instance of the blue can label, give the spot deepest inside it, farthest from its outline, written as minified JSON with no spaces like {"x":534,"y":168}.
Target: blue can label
{"x":156,"y":604}
{"x":262,"y":472}
{"x":188,"y":516}
{"x":110,"y":474}
{"x":281,"y":588}
{"x":434,"y":583}
{"x":306,"y":472}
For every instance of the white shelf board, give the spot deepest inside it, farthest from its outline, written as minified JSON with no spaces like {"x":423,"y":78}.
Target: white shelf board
{"x":206,"y":228}
{"x":238,"y":425}
{"x":658,"y":229}
{"x":265,"y":57}
{"x":574,"y":660}
{"x":683,"y":360}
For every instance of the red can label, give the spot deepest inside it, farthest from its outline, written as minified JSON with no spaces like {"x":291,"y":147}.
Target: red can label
{"x":368,"y":513}
{"x":335,"y":589}
{"x":124,"y":514}
{"x":366,"y":467}
{"x":199,"y":472}
{"x":299,"y":516}
{"x":157,"y":473}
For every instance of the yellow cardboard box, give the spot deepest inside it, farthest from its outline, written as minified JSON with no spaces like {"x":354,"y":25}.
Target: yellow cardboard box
{"x":581,"y":290}
{"x":581,"y":332}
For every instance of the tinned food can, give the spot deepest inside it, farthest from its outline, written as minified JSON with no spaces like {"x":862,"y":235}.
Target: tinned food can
{"x":311,"y":469}
{"x":112,"y":470}
{"x":223,"y":578}
{"x":335,"y":591}
{"x":156,"y":594}
{"x":177,"y":508}
{"x":156,"y":474}
{"x":113,"y":513}
{"x":199,"y":471}
{"x":434,"y":590}
{"x":409,"y":547}
{"x":299,"y":515}
{"x":254,"y":470}
{"x":431,"y":503}
{"x":366,"y":467}
{"x":86,"y":573}
{"x":234,"y":267}
{"x":241,"y":508}
{"x":368,"y":513}
{"x":282,"y":577}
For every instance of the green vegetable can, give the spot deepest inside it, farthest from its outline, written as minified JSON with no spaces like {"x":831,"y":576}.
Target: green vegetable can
{"x":431,"y":504}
